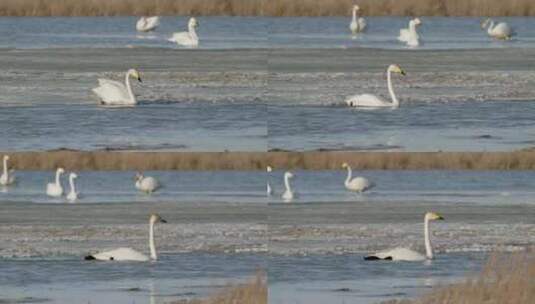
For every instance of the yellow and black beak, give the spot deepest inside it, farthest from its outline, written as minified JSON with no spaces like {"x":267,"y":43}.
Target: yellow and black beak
{"x":403,"y":73}
{"x":440,"y":217}
{"x":139,"y":79}
{"x":163,"y":221}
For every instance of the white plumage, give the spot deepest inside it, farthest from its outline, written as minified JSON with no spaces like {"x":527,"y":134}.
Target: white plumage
{"x":501,"y":31}
{"x":373,"y":101}
{"x":189,"y":38}
{"x":113,"y":92}
{"x":358,"y":24}
{"x":73,"y":195}
{"x":288,"y":195}
{"x":147,"y":24}
{"x":410,"y":35}
{"x":269,"y":188}
{"x":55,"y":189}
{"x":8,"y":176}
{"x":358,"y":184}
{"x":147,"y":184}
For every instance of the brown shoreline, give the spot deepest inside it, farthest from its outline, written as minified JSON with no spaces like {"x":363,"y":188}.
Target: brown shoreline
{"x":266,"y":8}
{"x":102,"y":160}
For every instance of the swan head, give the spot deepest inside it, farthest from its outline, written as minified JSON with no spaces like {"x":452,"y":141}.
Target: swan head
{"x":193,"y":22}
{"x":60,"y":171}
{"x":345,"y":165}
{"x":356,"y":8}
{"x":394,"y":68}
{"x":432,"y":216}
{"x":73,"y":175}
{"x":156,"y":218}
{"x":269,"y":169}
{"x":6,"y":157}
{"x":138,"y":176}
{"x":288,"y":174}
{"x":485,"y":23}
{"x":135,"y":74}
{"x":417,"y":21}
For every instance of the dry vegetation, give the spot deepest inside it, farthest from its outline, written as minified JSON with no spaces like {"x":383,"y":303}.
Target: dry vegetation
{"x":503,"y":280}
{"x":266,"y":7}
{"x":253,"y":292}
{"x":103,"y":160}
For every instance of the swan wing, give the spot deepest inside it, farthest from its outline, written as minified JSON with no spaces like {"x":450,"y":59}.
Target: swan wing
{"x":149,"y":184}
{"x":146,"y":24}
{"x":183,"y":38}
{"x":359,"y":184}
{"x":353,"y":26}
{"x":362,"y":24}
{"x":367,"y":100}
{"x":119,"y":254}
{"x":54,"y":190}
{"x":502,"y":31}
{"x":397,"y":254}
{"x":111,"y":92}
{"x":404,"y":35}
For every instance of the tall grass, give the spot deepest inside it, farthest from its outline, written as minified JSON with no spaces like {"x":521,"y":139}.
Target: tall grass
{"x":504,"y":279}
{"x":266,"y":7}
{"x":101,"y":160}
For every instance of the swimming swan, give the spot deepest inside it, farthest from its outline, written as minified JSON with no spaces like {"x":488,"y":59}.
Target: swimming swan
{"x":129,"y":254}
{"x":188,"y":38}
{"x":147,"y":24}
{"x":372,"y":101}
{"x":8,"y":176}
{"x":73,"y":195}
{"x":269,"y":189}
{"x":358,"y":24}
{"x":410,"y":35}
{"x":288,"y":194}
{"x":404,"y":254}
{"x":147,"y":184}
{"x":55,"y":189}
{"x":500,"y":31}
{"x":358,"y":184}
{"x":113,"y":92}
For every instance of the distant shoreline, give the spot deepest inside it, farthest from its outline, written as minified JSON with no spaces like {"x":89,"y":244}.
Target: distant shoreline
{"x":102,"y":160}
{"x":266,"y":8}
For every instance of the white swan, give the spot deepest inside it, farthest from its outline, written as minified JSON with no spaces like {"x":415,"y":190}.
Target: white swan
{"x":55,"y":189}
{"x":404,"y":254}
{"x":147,"y":24}
{"x":288,"y":194}
{"x":372,"y":101}
{"x":358,"y":184}
{"x":129,"y":254}
{"x":188,"y":38}
{"x":147,"y":184}
{"x":73,"y":195}
{"x":410,"y":35}
{"x":8,"y":176}
{"x":358,"y":24}
{"x":269,"y":189}
{"x":500,"y":31}
{"x":113,"y":92}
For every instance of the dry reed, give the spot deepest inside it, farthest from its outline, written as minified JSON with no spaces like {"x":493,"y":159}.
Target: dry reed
{"x":102,"y":160}
{"x":266,"y":7}
{"x":504,"y":279}
{"x":253,"y":292}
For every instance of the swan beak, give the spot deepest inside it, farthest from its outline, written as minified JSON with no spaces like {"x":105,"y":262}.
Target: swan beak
{"x":403,"y":73}
{"x":163,"y":221}
{"x":139,"y":79}
{"x":440,"y":217}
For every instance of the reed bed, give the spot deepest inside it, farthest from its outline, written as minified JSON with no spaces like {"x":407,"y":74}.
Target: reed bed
{"x":253,"y":292}
{"x":103,"y":160}
{"x":504,"y":279}
{"x":266,"y":7}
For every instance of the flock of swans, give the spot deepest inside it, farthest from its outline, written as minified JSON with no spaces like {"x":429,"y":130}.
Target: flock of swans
{"x":188,"y":38}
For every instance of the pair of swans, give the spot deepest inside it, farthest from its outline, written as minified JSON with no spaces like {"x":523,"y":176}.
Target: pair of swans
{"x":358,"y":24}
{"x":501,"y":30}
{"x":55,"y":189}
{"x":147,"y":24}
{"x":289,"y":194}
{"x":358,"y":184}
{"x":147,"y":184}
{"x":8,"y":175}
{"x":405,"y":254}
{"x":373,"y":101}
{"x":114,"y":93}
{"x":409,"y":35}
{"x":189,"y":38}
{"x":129,"y":254}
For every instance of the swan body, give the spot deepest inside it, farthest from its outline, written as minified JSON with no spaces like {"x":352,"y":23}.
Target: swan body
{"x":288,"y":194}
{"x":55,"y":189}
{"x":269,"y":188}
{"x":8,"y":176}
{"x":188,"y":38}
{"x":373,"y":101}
{"x":358,"y":24}
{"x":73,"y":195}
{"x":404,"y":254}
{"x":410,"y":35}
{"x":129,"y":254}
{"x":358,"y":184}
{"x":500,"y":30}
{"x":147,"y":24}
{"x":113,"y":92}
{"x":147,"y":184}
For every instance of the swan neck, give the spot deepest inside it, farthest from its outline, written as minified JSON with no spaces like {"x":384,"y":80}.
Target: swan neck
{"x":129,"y":88}
{"x":287,"y":183}
{"x":71,"y":183}
{"x":428,"y":248}
{"x":57,"y":177}
{"x":5,"y":167}
{"x":395,"y":102}
{"x":192,"y":32}
{"x":151,"y":242}
{"x":348,"y":174}
{"x":354,"y":15}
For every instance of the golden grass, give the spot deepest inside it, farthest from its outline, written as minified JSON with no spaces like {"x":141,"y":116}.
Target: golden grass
{"x":266,"y":7}
{"x":103,"y":160}
{"x":504,"y":279}
{"x":253,"y":292}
